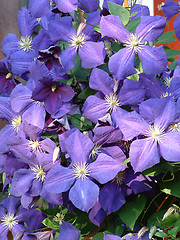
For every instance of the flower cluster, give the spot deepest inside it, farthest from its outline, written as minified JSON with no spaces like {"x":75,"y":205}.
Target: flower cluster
{"x":92,"y":134}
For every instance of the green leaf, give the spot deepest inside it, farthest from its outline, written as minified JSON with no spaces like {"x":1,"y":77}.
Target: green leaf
{"x":132,"y":25}
{"x":130,"y":212}
{"x":166,"y":37}
{"x":173,"y":65}
{"x":86,"y":93}
{"x":171,"y":53}
{"x":97,"y":28}
{"x":119,"y":11}
{"x":172,"y":187}
{"x":50,"y":223}
{"x":80,"y":122}
{"x":126,"y":161}
{"x":98,"y":236}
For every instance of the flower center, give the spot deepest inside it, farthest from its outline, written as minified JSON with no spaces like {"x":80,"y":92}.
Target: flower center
{"x":112,"y":102}
{"x":133,"y":42}
{"x":167,"y":81}
{"x":95,"y":152}
{"x":165,"y":94}
{"x":81,"y":170}
{"x":15,"y":122}
{"x":159,"y":6}
{"x":78,"y":41}
{"x":9,"y":221}
{"x":34,"y":145}
{"x":25,"y":43}
{"x":39,"y":173}
{"x":119,"y":178}
{"x":155,"y":133}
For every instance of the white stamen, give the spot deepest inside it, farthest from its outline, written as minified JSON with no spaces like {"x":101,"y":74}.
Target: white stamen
{"x":25,"y":43}
{"x":9,"y":221}
{"x":39,"y":173}
{"x":155,"y":133}
{"x":112,"y":102}
{"x":15,"y":122}
{"x":95,"y":152}
{"x":81,"y":170}
{"x":34,"y":145}
{"x":78,"y":41}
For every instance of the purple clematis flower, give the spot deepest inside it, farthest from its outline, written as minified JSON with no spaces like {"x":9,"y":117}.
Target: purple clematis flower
{"x":156,"y":123}
{"x":10,"y":219}
{"x":153,"y":59}
{"x":110,"y":96}
{"x":171,"y":8}
{"x":78,"y":176}
{"x":91,"y":53}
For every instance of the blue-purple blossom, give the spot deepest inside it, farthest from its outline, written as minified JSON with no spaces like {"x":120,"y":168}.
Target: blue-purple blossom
{"x":153,"y":59}
{"x":78,"y":176}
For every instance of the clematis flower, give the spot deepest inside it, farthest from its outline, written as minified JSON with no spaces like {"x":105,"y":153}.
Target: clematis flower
{"x":110,"y":97}
{"x":78,"y":176}
{"x":153,"y":59}
{"x":157,"y":118}
{"x":91,"y":53}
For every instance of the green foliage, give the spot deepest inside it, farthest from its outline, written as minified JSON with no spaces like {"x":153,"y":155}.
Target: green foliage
{"x":132,"y":25}
{"x":130,"y":212}
{"x":80,"y":122}
{"x":171,"y":53}
{"x":119,"y":11}
{"x":98,"y":236}
{"x":172,"y":187}
{"x":166,"y":37}
{"x":86,"y":93}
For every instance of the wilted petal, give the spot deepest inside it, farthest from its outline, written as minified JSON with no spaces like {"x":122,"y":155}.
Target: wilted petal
{"x":143,"y":154}
{"x":84,"y":194}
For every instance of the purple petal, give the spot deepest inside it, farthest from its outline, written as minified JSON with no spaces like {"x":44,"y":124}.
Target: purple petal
{"x":9,"y":44}
{"x":94,"y":108}
{"x":132,"y":125}
{"x":105,"y":168}
{"x":111,"y":26}
{"x":143,"y":154}
{"x":153,"y":59}
{"x":68,"y":232}
{"x":92,"y":54}
{"x":121,"y":64}
{"x":3,"y":232}
{"x":176,"y":25}
{"x":11,"y":204}
{"x":84,"y":194}
{"x":39,"y":8}
{"x":79,"y":146}
{"x":68,"y":58}
{"x":61,"y":29}
{"x":20,"y":97}
{"x":101,"y":81}
{"x":66,"y":6}
{"x":150,"y":28}
{"x":111,"y":237}
{"x":97,"y":214}
{"x":59,"y":179}
{"x":111,"y":197}
{"x":26,"y":22}
{"x":21,"y":182}
{"x":170,"y":146}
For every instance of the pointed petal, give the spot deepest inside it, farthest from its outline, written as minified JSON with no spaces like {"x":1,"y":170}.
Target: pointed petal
{"x":143,"y":154}
{"x":78,"y":146}
{"x":121,"y":64}
{"x":153,"y":59}
{"x":68,"y":58}
{"x":150,"y":28}
{"x":68,"y":232}
{"x":94,"y":108}
{"x":105,"y":168}
{"x":84,"y":194}
{"x":111,"y":26}
{"x":101,"y":81}
{"x":92,"y":54}
{"x":170,"y":146}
